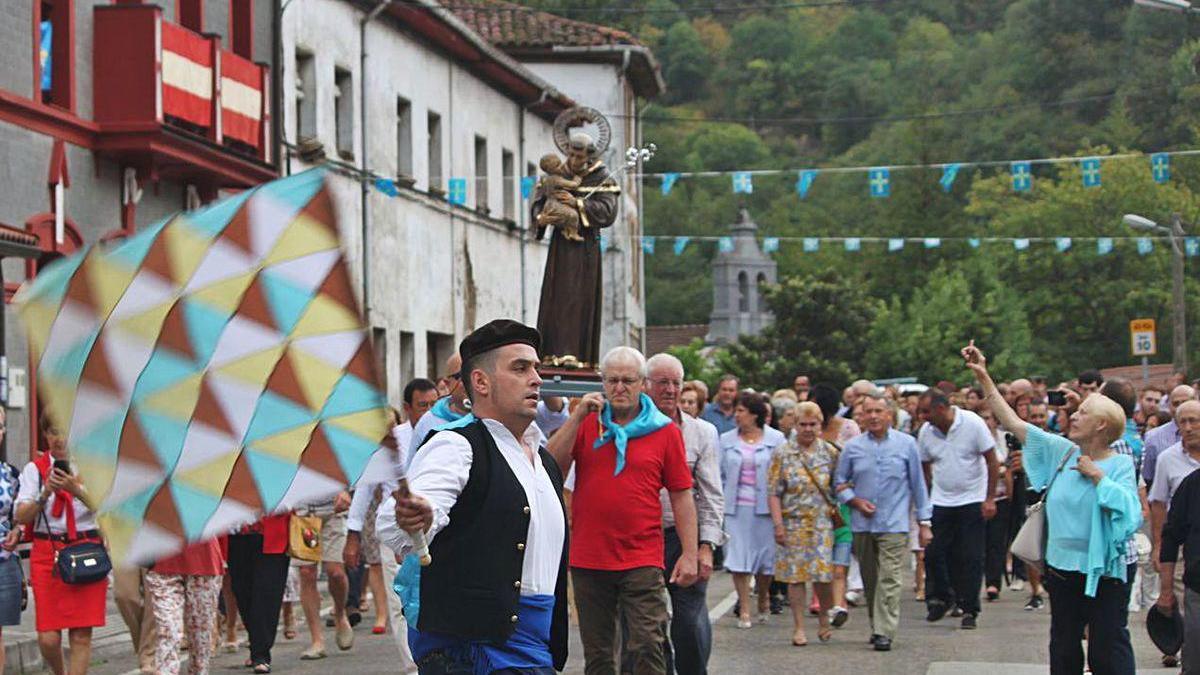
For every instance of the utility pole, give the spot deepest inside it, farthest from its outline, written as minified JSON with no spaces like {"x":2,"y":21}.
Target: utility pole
{"x":1178,"y":315}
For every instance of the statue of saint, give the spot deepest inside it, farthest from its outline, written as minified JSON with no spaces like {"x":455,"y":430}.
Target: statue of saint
{"x":576,"y":200}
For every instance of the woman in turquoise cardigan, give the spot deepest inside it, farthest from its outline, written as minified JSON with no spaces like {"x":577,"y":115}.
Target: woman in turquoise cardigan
{"x":1092,"y":509}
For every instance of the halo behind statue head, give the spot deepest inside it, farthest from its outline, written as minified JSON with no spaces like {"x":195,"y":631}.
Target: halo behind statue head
{"x":576,"y":117}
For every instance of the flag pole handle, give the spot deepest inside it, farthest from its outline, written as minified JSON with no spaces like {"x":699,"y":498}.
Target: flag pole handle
{"x":420,"y":545}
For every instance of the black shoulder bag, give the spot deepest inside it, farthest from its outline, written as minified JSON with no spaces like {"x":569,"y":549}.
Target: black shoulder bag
{"x":82,"y":563}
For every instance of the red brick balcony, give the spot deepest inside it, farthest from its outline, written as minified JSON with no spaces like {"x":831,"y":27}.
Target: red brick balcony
{"x":176,"y":104}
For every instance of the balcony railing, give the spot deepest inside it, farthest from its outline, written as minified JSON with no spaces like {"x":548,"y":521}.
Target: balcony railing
{"x":150,"y":72}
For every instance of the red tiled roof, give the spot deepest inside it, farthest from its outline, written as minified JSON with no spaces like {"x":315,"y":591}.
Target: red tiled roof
{"x":510,"y":26}
{"x":659,"y":338}
{"x":1159,"y":374}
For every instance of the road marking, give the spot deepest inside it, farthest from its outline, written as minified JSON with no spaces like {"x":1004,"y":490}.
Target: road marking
{"x":723,"y":606}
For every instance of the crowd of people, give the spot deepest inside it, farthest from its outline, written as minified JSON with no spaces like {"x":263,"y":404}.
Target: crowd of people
{"x":621,"y":504}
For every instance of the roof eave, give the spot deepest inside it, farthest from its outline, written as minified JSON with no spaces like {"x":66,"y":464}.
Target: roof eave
{"x":447,"y":32}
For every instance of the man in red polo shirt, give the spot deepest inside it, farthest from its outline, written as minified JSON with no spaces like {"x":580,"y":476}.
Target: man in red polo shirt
{"x":625,"y":452}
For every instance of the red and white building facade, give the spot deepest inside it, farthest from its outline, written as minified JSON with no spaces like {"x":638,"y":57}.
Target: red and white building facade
{"x":114,"y":115}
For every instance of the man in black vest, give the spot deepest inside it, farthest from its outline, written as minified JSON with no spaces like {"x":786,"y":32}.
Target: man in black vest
{"x":490,"y":502}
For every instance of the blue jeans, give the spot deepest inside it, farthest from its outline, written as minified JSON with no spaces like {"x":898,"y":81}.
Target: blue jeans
{"x":445,"y":663}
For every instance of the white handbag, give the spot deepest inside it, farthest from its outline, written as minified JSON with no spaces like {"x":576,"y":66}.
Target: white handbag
{"x":1030,"y":543}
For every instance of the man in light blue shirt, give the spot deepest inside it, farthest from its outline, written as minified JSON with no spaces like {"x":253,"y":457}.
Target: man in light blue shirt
{"x":719,"y":413}
{"x":879,"y":476}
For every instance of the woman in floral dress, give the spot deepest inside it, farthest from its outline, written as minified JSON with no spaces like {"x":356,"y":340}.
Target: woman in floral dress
{"x":801,"y":515}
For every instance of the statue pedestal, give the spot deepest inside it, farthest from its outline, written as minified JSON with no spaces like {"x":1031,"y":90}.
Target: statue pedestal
{"x":569,"y":382}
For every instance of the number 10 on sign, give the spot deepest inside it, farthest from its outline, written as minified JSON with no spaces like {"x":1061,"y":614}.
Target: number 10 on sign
{"x":1142,"y":337}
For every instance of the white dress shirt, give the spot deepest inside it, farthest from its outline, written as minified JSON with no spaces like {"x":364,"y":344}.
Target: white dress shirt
{"x":364,"y":490}
{"x":31,"y":486}
{"x":439,"y":474}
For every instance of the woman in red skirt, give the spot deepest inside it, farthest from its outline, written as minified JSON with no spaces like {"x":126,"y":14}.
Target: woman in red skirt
{"x":54,"y":503}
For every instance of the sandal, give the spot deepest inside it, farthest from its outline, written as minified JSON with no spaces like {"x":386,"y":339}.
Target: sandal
{"x":289,"y":633}
{"x":824,"y":633}
{"x":378,"y":630}
{"x":262,"y":667}
{"x":800,"y":643}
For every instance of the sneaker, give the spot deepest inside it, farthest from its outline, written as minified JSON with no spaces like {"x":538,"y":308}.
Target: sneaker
{"x":776,"y":605}
{"x":968,"y":622}
{"x":1035,"y":603}
{"x":883,"y":644}
{"x":1017,"y":585}
{"x":1170,"y":661}
{"x":838,"y":616}
{"x":854,"y":598}
{"x":937,"y":610}
{"x":956,"y":612}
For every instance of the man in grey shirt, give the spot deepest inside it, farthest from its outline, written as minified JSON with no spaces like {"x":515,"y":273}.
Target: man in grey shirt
{"x":691,"y":633}
{"x":1160,"y":438}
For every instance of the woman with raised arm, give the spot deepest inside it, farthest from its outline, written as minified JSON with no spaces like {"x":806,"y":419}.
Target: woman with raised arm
{"x":1091,"y":510}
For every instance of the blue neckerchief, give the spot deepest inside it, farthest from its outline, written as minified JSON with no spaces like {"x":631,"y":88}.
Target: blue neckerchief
{"x":649,"y":420}
{"x":443,"y":410}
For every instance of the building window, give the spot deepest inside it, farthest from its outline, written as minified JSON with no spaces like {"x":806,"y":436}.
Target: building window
{"x":434,"y":126}
{"x":404,"y":144}
{"x":408,"y":343}
{"x":343,"y":112}
{"x":760,"y":293}
{"x":190,"y":14}
{"x":241,"y":28}
{"x":743,"y":292}
{"x":306,"y":96}
{"x":54,"y":35}
{"x":481,"y":174}
{"x":379,"y":347}
{"x":438,"y":348}
{"x":509,"y":169}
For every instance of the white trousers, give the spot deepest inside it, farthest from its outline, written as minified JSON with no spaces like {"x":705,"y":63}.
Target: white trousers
{"x":406,"y":666}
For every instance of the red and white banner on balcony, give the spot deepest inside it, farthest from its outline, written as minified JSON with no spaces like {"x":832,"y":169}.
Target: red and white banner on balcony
{"x":187,"y":75}
{"x":241,"y":99}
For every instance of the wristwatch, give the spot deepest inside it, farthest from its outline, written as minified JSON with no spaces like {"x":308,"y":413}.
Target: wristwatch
{"x":925,"y":523}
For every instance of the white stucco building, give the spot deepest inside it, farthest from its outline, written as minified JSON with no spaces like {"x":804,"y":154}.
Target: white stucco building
{"x":440,"y":104}
{"x":609,"y":70}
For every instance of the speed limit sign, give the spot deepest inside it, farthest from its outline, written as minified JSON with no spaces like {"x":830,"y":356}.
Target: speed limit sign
{"x":1142,"y":337}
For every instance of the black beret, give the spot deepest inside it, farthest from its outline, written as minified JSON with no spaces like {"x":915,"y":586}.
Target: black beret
{"x":496,"y":334}
{"x":1165,"y":631}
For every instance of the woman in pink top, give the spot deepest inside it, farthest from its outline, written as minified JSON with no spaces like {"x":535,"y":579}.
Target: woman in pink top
{"x":183,"y":591}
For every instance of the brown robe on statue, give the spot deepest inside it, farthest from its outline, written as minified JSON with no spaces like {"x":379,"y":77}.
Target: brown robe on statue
{"x":569,"y":310}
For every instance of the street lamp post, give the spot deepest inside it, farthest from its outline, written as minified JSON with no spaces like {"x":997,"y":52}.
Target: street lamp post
{"x":1179,"y":309}
{"x":1167,"y":5}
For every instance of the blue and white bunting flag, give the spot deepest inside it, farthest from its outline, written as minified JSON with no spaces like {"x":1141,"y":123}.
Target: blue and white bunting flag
{"x":648,"y":245}
{"x":527,"y":184}
{"x":770,"y":245}
{"x":1160,"y":167}
{"x":1104,"y":245}
{"x":743,"y":183}
{"x":680,"y":244}
{"x":668,"y":182}
{"x":880,"y":181}
{"x":811,"y":244}
{"x":974,"y":242}
{"x":457,"y":191}
{"x":387,"y":186}
{"x":1063,"y":244}
{"x":932,"y":242}
{"x":804,"y":184}
{"x":895,"y":245}
{"x":1022,"y":176}
{"x":1091,"y":171}
{"x":1191,"y":246}
{"x":949,"y":173}
{"x":603,"y":242}
{"x":725,"y":244}
{"x":1145,"y":245}
{"x":1020,"y":244}
{"x":853,"y":243}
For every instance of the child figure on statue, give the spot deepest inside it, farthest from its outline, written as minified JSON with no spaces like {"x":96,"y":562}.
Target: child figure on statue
{"x":557,"y":185}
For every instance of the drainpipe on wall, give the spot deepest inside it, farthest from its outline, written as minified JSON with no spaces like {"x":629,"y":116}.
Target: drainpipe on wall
{"x":363,"y":135}
{"x":524,"y":219}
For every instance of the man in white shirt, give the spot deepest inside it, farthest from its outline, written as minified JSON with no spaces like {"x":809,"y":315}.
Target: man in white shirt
{"x":489,"y":501}
{"x":958,"y":453}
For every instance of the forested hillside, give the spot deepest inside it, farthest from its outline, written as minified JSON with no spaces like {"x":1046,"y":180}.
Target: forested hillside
{"x":789,"y":86}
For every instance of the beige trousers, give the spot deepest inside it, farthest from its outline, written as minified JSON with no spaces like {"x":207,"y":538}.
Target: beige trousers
{"x":881,"y":557}
{"x":133,"y":602}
